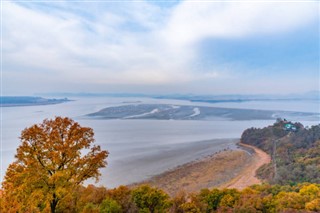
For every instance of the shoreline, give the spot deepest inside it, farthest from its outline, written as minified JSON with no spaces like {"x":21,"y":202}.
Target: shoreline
{"x":44,"y":103}
{"x":31,"y":104}
{"x":224,"y":169}
{"x":248,"y":176}
{"x":155,"y":160}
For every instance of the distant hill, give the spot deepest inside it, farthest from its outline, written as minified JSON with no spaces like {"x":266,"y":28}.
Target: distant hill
{"x":294,"y":149}
{"x":311,"y":95}
{"x":9,"y":101}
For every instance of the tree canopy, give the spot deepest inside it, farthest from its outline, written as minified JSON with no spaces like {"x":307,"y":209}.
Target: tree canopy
{"x":295,"y":154}
{"x":58,"y":155}
{"x":53,"y":159}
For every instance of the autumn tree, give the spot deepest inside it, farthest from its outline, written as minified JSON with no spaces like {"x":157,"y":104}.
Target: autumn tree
{"x":110,"y":206}
{"x":122,"y":195}
{"x":53,"y":159}
{"x":151,"y":200}
{"x":211,"y":198}
{"x":84,"y":195}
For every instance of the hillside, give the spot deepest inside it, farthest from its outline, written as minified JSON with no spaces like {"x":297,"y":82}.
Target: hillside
{"x":294,"y":149}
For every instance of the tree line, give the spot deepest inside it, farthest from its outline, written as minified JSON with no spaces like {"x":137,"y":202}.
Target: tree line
{"x":266,"y":198}
{"x":295,"y":154}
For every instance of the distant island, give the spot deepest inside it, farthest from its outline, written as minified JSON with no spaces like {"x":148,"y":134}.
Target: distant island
{"x":11,"y":101}
{"x":187,"y":112}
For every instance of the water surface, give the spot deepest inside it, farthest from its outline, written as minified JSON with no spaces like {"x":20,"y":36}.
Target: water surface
{"x":141,"y":148}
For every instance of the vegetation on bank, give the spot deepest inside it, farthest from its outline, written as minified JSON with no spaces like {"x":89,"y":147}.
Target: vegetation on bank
{"x":57,"y":156}
{"x":303,"y":197}
{"x":294,"y":149}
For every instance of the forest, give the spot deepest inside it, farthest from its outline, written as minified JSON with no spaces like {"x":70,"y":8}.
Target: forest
{"x":58,"y":155}
{"x":294,"y":149}
{"x":304,"y":197}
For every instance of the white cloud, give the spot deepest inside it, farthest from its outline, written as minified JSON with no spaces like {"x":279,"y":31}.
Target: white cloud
{"x":192,"y":21}
{"x":132,"y":44}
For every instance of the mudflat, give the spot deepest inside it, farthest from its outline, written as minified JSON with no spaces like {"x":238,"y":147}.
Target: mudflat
{"x":188,"y":112}
{"x":231,"y":169}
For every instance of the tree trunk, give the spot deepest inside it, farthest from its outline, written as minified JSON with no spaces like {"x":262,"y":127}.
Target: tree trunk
{"x":53,"y":203}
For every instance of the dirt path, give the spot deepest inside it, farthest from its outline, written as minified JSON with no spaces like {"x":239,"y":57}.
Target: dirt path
{"x":248,"y":175}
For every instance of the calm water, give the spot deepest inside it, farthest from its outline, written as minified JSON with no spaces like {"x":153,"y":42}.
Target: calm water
{"x":141,"y":148}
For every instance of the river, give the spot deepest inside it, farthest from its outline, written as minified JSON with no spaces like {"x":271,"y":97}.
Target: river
{"x":142,"y":148}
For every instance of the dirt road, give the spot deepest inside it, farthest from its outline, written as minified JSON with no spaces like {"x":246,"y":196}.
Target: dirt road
{"x":248,"y":175}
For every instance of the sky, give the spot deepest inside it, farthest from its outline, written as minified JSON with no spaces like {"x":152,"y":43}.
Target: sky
{"x":160,"y":47}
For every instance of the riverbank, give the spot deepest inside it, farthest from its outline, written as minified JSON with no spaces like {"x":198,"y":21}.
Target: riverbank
{"x":226,"y":169}
{"x":247,"y":176}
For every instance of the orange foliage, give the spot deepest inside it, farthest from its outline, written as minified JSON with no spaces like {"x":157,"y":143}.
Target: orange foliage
{"x":50,"y":164}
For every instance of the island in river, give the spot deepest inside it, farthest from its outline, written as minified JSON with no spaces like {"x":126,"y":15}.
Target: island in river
{"x":189,"y":112}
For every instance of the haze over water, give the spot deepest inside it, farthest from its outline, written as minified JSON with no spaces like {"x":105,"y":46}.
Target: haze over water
{"x":141,"y":148}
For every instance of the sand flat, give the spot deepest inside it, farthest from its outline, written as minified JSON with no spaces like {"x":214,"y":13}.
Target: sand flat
{"x":211,"y":171}
{"x":225,"y":169}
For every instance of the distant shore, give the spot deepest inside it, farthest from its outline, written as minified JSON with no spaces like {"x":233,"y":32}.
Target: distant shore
{"x":225,"y":169}
{"x":16,"y":101}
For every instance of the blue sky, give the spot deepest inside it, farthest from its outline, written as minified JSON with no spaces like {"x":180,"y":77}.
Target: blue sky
{"x":200,"y":47}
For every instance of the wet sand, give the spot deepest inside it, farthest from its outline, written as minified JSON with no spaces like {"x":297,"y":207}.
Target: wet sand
{"x":225,"y":169}
{"x":142,"y":165}
{"x":186,"y":112}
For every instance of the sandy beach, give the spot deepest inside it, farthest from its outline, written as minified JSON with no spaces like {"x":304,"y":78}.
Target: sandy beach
{"x":230,"y":168}
{"x":155,"y":160}
{"x":247,"y":176}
